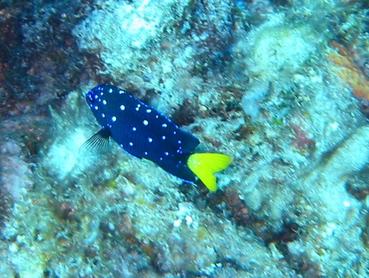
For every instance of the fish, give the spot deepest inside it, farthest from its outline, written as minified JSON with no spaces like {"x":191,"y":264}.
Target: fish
{"x":145,"y":133}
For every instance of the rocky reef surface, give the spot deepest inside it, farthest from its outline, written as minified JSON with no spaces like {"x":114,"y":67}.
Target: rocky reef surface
{"x":281,"y":86}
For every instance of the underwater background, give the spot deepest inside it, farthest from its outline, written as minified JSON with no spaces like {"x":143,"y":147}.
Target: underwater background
{"x":281,"y":86}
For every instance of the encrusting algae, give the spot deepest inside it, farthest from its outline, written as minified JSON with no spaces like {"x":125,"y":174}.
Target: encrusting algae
{"x":349,"y":72}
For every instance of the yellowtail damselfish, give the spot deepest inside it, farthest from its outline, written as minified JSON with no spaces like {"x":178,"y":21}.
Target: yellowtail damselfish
{"x":145,"y":133}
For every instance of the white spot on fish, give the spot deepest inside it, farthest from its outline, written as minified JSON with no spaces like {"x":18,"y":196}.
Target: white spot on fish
{"x":96,"y":108}
{"x":145,"y":122}
{"x":101,"y":94}
{"x":122,"y":107}
{"x":110,"y":90}
{"x":121,"y":92}
{"x":161,"y":158}
{"x":145,"y":153}
{"x":96,"y":96}
{"x":131,"y":144}
{"x":157,"y":116}
{"x":134,"y":128}
{"x":166,"y":153}
{"x":179,"y":142}
{"x":148,"y":110}
{"x":164,"y":125}
{"x":103,"y":115}
{"x":163,"y":137}
{"x":150,"y":139}
{"x":174,"y":132}
{"x":138,"y":107}
{"x":104,"y":102}
{"x":121,"y":145}
{"x":113,"y":118}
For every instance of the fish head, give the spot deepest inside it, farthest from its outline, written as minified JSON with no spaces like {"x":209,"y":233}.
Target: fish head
{"x":96,"y":101}
{"x":91,"y":97}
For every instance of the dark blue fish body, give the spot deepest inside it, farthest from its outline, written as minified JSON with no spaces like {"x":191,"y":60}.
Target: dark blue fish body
{"x":141,"y":130}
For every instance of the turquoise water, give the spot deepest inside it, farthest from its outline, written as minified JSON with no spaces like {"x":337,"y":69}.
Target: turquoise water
{"x":282,"y":87}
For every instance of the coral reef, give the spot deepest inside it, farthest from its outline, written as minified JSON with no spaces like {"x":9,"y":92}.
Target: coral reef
{"x":281,"y":86}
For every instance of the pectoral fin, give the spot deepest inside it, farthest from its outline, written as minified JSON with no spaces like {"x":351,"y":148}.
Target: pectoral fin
{"x":97,"y":142}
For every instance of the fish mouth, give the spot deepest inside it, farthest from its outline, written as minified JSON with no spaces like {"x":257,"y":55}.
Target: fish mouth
{"x":90,"y":97}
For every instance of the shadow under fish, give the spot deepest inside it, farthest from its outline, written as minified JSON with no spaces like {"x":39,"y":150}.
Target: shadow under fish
{"x":145,"y":133}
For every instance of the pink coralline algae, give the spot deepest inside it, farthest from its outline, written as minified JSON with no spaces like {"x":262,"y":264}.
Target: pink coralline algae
{"x":301,"y":141}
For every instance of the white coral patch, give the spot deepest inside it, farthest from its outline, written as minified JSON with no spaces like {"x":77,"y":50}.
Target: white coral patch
{"x":64,"y":154}
{"x":276,"y":48}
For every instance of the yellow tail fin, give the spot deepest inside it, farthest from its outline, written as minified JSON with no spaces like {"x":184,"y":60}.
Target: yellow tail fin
{"x":205,"y":165}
